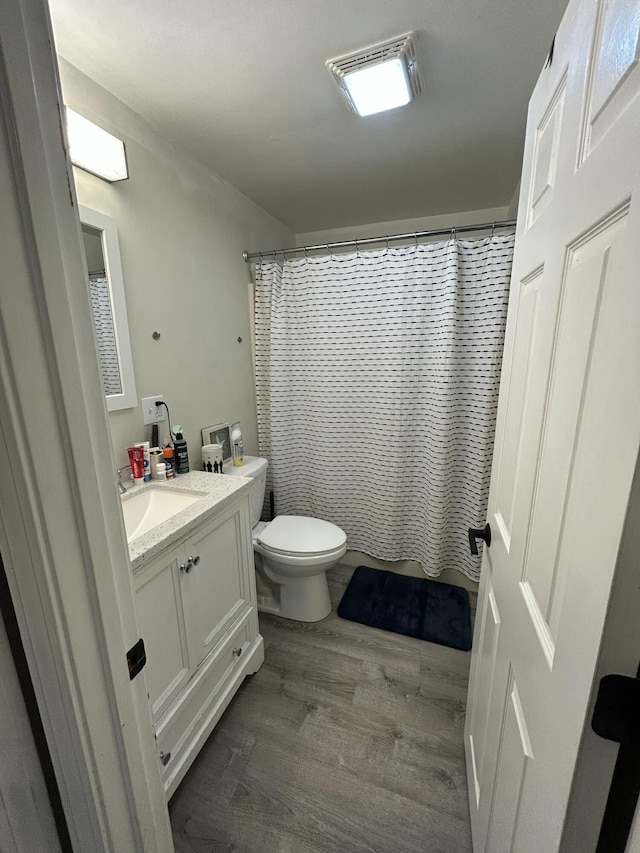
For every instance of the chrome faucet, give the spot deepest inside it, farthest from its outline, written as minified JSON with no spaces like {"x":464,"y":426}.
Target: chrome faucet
{"x":121,"y":486}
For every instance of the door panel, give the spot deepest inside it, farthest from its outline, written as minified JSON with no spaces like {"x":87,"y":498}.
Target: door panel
{"x":519,"y":396}
{"x":487,"y":686}
{"x":515,"y":755}
{"x":545,"y":155}
{"x":568,"y":432}
{"x":613,"y":71}
{"x":585,"y":277}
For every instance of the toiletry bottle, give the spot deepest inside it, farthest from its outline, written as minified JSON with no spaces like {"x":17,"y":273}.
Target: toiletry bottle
{"x":147,"y":459}
{"x":155,"y":456}
{"x":167,"y":453}
{"x":136,"y":459}
{"x":236,"y":444}
{"x":180,"y":451}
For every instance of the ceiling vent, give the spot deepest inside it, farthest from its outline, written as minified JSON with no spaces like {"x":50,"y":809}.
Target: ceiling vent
{"x":379,"y":77}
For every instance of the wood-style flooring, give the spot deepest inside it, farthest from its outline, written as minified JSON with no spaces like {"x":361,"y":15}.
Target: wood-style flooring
{"x":347,"y":739}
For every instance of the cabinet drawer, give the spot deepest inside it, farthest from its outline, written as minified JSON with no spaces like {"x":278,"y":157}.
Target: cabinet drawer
{"x":185,"y":726}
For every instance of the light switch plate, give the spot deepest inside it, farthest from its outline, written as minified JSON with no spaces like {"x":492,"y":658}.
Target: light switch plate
{"x":152,"y":414}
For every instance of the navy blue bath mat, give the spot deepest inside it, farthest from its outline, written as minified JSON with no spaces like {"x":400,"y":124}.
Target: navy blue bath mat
{"x":416,"y":607}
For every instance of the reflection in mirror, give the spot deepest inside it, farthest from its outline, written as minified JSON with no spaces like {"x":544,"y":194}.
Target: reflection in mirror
{"x":102,"y":311}
{"x":106,"y":288}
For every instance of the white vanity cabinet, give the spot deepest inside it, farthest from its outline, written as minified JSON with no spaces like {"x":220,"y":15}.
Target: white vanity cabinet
{"x":197,"y":614}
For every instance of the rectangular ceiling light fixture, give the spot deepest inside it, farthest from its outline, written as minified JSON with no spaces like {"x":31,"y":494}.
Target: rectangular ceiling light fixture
{"x":380,"y":77}
{"x":94,"y":149}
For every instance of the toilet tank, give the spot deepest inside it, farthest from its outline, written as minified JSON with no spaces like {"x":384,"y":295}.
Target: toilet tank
{"x":254,"y":467}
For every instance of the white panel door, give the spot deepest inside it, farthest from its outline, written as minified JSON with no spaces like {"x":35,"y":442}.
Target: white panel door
{"x":568,"y":432}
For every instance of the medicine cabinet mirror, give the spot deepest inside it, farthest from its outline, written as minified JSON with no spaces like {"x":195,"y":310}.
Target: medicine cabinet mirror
{"x":106,"y":290}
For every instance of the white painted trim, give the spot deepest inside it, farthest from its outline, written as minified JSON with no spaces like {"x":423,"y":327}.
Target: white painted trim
{"x":127,"y":399}
{"x":61,"y":536}
{"x":26,"y":817}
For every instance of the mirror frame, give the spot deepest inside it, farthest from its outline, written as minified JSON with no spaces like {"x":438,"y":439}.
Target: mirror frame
{"x":127,"y":399}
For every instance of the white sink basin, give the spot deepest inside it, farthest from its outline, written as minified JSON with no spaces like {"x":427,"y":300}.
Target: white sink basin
{"x":148,"y":509}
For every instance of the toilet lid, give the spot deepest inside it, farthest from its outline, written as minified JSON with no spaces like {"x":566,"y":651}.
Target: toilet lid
{"x":297,"y":534}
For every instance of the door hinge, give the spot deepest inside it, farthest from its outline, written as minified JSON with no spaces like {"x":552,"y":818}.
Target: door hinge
{"x":136,"y":658}
{"x":617,"y":711}
{"x":615,"y":718}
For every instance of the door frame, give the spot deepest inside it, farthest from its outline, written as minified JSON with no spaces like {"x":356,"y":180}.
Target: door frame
{"x":619,"y":653}
{"x":61,"y":530}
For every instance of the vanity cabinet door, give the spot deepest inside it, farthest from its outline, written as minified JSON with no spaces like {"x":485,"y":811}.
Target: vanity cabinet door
{"x":220,"y":581}
{"x":160,"y":590}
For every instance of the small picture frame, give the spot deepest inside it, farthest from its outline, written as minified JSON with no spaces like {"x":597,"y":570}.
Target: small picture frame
{"x":219,"y":434}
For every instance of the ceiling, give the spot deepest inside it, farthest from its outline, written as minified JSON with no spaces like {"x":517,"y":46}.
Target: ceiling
{"x":242,"y":86}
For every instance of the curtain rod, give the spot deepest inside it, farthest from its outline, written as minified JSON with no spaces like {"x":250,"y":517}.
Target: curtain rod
{"x":366,"y":241}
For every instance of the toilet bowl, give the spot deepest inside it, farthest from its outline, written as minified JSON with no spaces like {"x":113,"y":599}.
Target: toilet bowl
{"x":292,"y":554}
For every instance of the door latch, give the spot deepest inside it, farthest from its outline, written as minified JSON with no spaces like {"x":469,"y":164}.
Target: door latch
{"x":136,"y":658}
{"x":479,"y":533}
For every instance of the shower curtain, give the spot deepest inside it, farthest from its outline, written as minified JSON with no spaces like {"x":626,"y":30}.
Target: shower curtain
{"x":377,"y":380}
{"x":102,"y":309}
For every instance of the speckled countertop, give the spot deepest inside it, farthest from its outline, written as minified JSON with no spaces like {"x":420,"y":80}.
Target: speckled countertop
{"x":217,"y":491}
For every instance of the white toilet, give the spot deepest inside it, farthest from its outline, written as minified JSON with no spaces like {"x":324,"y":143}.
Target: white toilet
{"x":292,"y":554}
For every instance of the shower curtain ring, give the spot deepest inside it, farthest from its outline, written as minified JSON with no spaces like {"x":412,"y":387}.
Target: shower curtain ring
{"x":329,"y":250}
{"x":306,"y":254}
{"x":386,"y":251}
{"x":493,"y":228}
{"x":357,"y":249}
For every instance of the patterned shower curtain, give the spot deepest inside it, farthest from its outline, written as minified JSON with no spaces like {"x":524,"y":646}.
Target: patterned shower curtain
{"x":377,"y":379}
{"x":102,"y":309}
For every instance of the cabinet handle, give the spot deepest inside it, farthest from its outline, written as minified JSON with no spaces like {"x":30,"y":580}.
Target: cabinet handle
{"x":237,"y":652}
{"x":189,"y":564}
{"x":165,"y":758}
{"x":196,"y":560}
{"x":183,"y":567}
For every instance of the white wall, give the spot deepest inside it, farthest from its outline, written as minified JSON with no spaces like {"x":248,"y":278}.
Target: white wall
{"x":182,"y":231}
{"x":402,"y":226}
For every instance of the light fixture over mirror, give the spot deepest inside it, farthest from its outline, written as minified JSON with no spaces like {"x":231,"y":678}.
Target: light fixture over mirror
{"x":95,"y":150}
{"x":108,"y":307}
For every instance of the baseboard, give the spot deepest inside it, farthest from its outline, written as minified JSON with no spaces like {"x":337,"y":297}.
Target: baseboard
{"x":408,"y":567}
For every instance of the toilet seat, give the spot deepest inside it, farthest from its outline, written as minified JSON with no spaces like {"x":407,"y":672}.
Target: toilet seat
{"x":300,"y":536}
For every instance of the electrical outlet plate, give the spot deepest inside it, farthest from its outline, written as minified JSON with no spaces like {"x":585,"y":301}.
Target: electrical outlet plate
{"x":152,"y":414}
